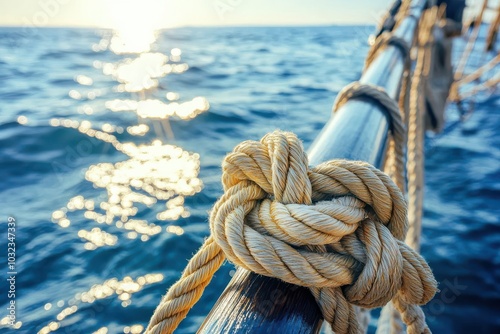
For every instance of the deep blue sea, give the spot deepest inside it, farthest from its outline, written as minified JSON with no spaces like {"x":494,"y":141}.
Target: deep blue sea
{"x":110,"y":152}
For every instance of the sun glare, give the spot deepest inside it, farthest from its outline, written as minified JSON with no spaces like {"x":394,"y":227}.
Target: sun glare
{"x":135,"y":23}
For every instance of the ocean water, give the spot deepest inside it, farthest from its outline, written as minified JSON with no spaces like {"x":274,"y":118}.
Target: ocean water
{"x":110,"y":152}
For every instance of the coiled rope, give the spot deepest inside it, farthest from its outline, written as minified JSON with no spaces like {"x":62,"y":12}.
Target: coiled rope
{"x":337,"y":228}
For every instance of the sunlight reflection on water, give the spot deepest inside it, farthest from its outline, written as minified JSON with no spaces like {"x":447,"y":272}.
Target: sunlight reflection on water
{"x":155,"y":175}
{"x":123,"y":289}
{"x":153,"y":108}
{"x":155,"y":172}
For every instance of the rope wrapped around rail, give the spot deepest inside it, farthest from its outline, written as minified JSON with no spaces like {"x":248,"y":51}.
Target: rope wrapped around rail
{"x":395,"y":160}
{"x":337,"y":228}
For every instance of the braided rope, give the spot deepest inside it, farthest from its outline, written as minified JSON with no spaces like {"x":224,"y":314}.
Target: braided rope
{"x":337,"y":228}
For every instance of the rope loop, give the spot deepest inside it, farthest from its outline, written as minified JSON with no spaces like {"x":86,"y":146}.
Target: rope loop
{"x":398,"y":129}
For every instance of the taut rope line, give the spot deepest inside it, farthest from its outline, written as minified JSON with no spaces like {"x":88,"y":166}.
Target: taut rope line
{"x":337,"y":228}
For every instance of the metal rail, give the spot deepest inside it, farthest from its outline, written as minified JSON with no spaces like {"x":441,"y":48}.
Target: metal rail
{"x":359,"y":131}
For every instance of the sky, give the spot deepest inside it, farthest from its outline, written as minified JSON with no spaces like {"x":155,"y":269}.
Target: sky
{"x":172,"y":13}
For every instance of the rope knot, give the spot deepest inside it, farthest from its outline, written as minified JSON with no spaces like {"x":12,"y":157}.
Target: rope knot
{"x":337,"y":228}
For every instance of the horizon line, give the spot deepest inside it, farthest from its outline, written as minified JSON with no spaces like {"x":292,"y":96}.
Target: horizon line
{"x":197,"y":26}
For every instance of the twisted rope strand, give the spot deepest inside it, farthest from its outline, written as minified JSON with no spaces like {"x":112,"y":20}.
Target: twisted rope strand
{"x":187,"y":290}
